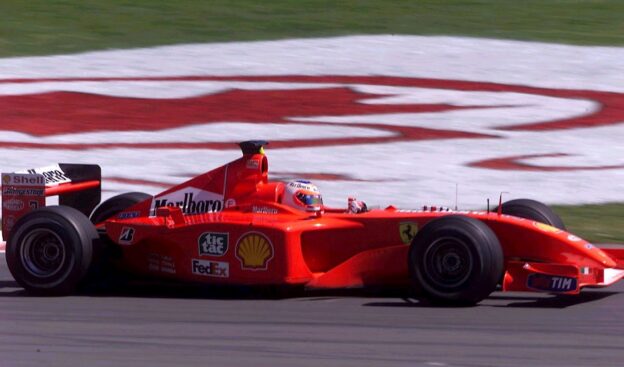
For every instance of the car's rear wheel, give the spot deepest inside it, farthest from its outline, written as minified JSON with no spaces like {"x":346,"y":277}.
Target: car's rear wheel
{"x":117,"y":204}
{"x":456,"y":260}
{"x":533,"y":210}
{"x":51,"y":250}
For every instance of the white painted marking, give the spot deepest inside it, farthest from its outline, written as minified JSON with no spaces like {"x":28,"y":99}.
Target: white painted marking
{"x":414,"y":173}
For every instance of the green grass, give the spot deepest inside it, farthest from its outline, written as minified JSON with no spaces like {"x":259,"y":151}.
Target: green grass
{"x":595,"y":223}
{"x":38,"y":27}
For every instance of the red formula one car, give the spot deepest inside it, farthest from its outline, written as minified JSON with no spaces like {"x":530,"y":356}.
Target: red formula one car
{"x":233,"y":226}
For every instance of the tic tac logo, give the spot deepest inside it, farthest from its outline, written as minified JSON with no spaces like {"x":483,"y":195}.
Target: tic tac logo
{"x":254,"y":251}
{"x":213,"y":243}
{"x":126,"y":236}
{"x":551,"y":283}
{"x":210,"y":268}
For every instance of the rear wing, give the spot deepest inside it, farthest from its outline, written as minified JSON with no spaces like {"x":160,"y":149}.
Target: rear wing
{"x":76,"y":185}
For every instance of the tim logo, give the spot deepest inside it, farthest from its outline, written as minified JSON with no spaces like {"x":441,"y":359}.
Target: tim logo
{"x":127,"y":235}
{"x":551,"y":283}
{"x":213,"y":244}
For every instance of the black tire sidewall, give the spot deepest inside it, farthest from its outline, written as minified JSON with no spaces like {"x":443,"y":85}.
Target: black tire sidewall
{"x":78,"y":242}
{"x":116,"y":204}
{"x":484,"y":250}
{"x":533,"y":210}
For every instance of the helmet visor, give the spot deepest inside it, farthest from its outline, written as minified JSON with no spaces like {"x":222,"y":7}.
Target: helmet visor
{"x":309,"y":199}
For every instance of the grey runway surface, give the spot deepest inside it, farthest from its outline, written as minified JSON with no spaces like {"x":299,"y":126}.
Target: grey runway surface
{"x":159,"y":327}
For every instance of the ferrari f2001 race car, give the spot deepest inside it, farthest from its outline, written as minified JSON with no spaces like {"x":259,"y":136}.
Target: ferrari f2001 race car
{"x":232,"y":226}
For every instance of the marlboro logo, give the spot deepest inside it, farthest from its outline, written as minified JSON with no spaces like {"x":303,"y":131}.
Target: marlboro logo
{"x":191,"y":201}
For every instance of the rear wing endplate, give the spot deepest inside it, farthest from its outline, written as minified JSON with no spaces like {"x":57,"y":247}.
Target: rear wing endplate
{"x":76,"y":185}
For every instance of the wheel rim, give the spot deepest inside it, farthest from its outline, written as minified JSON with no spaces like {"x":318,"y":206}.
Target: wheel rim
{"x":43,"y":253}
{"x":448,"y":262}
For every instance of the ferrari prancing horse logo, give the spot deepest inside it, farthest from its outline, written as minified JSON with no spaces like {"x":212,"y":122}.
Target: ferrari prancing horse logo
{"x":408,"y":230}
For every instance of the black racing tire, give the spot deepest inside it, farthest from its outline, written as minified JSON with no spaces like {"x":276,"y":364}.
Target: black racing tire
{"x":116,"y":204}
{"x":533,"y":210}
{"x":51,"y":250}
{"x":455,"y":260}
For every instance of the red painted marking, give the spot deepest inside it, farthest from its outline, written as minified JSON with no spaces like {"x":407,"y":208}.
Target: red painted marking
{"x":56,"y":113}
{"x":514,"y":163}
{"x":610,"y":111}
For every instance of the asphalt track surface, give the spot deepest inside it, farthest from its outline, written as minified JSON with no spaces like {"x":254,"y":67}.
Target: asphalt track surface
{"x":166,"y":326}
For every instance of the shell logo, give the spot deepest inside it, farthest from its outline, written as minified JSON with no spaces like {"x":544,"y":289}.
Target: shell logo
{"x":254,"y":250}
{"x":6,"y":179}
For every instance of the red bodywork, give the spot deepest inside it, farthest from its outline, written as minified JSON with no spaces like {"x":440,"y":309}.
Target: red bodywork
{"x":227,"y":226}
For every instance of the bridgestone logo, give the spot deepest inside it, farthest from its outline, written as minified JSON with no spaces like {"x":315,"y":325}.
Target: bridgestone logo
{"x":22,"y":192}
{"x":191,"y":206}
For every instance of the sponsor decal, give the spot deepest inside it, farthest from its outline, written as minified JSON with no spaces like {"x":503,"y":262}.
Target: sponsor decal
{"x":216,"y":269}
{"x":160,"y":263}
{"x":33,"y":204}
{"x":407,"y":231}
{"x":230,"y":203}
{"x":574,"y":238}
{"x":23,"y":179}
{"x":190,"y":200}
{"x":53,"y":174}
{"x":128,"y":215}
{"x":213,"y":243}
{"x":9,"y":221}
{"x":546,"y":228}
{"x":22,"y":192}
{"x":254,"y":251}
{"x":127,"y":235}
{"x":13,"y":205}
{"x":551,"y":283}
{"x":263,"y":210}
{"x":252,"y":164}
{"x":303,"y":184}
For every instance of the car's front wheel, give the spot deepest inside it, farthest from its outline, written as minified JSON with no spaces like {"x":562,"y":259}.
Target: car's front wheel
{"x":533,"y":210}
{"x":456,"y":260}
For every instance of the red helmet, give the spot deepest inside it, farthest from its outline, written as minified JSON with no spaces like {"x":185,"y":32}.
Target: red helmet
{"x":302,"y":195}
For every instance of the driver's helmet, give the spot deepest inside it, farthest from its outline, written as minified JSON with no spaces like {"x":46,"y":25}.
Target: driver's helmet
{"x":302,"y":195}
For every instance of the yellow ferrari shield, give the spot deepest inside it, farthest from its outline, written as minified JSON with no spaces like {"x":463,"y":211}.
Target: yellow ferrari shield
{"x":408,"y":230}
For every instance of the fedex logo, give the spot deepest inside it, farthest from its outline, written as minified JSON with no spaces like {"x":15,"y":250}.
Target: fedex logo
{"x":211,"y":268}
